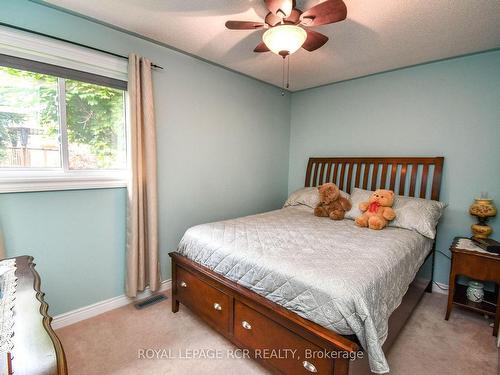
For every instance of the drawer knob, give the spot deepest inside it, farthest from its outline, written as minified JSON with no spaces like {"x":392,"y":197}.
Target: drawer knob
{"x":246,"y":325}
{"x":183,"y":284}
{"x":309,"y":366}
{"x":217,"y":306}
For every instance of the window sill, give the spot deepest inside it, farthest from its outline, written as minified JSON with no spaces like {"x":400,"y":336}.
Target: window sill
{"x":54,"y":183}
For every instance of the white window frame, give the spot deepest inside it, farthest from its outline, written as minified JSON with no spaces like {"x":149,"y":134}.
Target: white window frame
{"x":39,"y":48}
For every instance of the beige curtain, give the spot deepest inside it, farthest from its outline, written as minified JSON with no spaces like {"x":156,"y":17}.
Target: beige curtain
{"x":142,"y":221}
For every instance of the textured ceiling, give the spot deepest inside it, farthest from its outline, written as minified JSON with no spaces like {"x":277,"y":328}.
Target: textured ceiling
{"x":378,"y":35}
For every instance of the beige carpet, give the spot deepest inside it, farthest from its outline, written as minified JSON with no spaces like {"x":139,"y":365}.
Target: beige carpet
{"x":111,"y":343}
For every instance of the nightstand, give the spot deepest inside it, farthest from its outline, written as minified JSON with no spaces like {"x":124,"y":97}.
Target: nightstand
{"x":478,"y":266}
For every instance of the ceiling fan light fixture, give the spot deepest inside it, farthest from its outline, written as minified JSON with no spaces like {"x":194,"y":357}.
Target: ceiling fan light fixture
{"x":284,"y":39}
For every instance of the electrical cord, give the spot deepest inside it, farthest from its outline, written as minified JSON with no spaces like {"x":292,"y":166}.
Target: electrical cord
{"x":439,"y":286}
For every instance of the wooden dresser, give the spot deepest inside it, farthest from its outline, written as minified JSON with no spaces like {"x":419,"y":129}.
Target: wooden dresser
{"x":37,"y":350}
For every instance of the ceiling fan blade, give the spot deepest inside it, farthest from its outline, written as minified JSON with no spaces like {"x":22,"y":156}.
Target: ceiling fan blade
{"x":329,"y":11}
{"x":281,"y":8}
{"x":294,"y":16}
{"x":261,"y":47}
{"x":314,"y":40}
{"x":244,"y":25}
{"x":272,"y":19}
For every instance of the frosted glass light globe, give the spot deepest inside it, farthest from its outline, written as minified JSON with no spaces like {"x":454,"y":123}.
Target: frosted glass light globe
{"x":286,"y":39}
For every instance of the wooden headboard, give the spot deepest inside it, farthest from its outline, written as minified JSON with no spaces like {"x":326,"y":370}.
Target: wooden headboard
{"x":414,"y":177}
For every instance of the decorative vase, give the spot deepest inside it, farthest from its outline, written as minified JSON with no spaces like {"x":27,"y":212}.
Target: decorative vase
{"x":482,"y":208}
{"x":475,"y":291}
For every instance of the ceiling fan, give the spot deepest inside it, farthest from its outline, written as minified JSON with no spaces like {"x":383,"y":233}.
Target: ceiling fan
{"x":285,"y":23}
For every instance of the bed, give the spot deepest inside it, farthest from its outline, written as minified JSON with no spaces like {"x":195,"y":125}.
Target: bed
{"x":304,"y":294}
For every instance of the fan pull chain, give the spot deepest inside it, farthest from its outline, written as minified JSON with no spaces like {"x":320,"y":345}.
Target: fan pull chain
{"x":288,"y":73}
{"x":283,"y":78}
{"x":285,"y":81}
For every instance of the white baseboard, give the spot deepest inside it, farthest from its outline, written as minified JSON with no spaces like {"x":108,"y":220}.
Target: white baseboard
{"x":87,"y":312}
{"x":437,"y":289}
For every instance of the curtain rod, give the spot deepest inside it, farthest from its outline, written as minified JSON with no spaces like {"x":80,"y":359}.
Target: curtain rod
{"x":74,"y":43}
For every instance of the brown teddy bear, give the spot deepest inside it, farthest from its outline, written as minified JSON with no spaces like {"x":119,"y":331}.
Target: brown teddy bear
{"x":331,"y":203}
{"x":377,"y":211}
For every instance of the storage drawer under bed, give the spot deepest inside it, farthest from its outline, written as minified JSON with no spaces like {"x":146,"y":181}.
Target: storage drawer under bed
{"x":209,"y":302}
{"x":286,"y":351}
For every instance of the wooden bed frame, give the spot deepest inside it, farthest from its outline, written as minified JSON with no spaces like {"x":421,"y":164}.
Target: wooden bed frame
{"x":267,"y":331}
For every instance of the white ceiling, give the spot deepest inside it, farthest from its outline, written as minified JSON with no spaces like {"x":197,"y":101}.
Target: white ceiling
{"x":378,"y":35}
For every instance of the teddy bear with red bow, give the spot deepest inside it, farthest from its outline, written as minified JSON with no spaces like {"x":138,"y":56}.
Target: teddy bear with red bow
{"x":377,"y":212}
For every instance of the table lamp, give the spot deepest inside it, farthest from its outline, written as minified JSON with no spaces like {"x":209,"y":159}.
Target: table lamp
{"x":483,"y":208}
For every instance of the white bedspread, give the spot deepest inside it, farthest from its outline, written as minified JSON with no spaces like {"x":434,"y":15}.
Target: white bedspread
{"x":345,"y":278}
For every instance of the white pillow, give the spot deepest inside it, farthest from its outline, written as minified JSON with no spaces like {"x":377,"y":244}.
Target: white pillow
{"x":420,"y":215}
{"x":357,"y":196}
{"x":308,"y":196}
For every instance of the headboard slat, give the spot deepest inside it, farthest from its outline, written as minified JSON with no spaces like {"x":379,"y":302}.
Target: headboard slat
{"x":436,"y":181}
{"x":423,"y":170}
{"x":321,"y":173}
{"x":365,"y":175}
{"x":315,"y":174}
{"x":329,"y":172}
{"x":349,"y":178}
{"x":423,"y":185}
{"x":402,"y":179}
{"x":374,"y":176}
{"x":413,"y":181}
{"x":335,"y":172}
{"x":343,"y":166}
{"x":392,"y":183}
{"x":358,"y":175}
{"x":383,"y":179}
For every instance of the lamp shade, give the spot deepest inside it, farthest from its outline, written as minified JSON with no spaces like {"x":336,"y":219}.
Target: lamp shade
{"x":483,"y":208}
{"x":286,"y":39}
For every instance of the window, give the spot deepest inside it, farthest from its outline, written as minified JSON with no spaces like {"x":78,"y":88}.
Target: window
{"x":95,"y":126}
{"x":29,"y":129}
{"x":60,"y":128}
{"x":48,"y":122}
{"x":62,"y":115}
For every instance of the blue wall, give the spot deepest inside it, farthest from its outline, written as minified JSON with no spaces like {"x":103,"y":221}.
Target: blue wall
{"x":223,"y":143}
{"x":449,"y":108}
{"x":77,"y":239}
